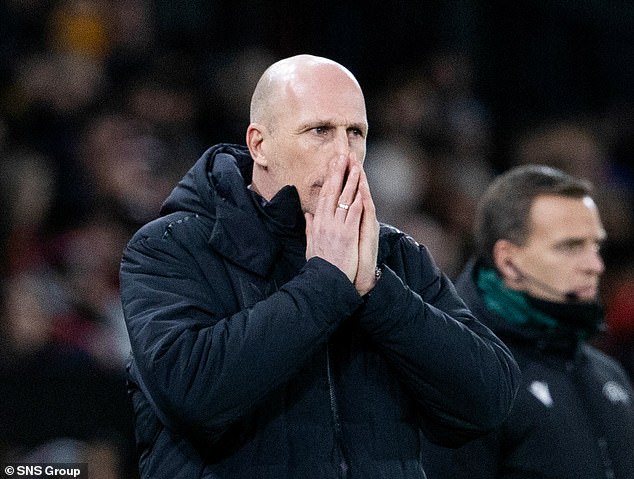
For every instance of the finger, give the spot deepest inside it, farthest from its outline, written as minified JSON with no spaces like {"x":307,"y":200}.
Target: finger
{"x":368,"y":203}
{"x":349,"y":191}
{"x":333,"y":184}
{"x":369,"y":222}
{"x":355,"y":212}
{"x":368,"y":239}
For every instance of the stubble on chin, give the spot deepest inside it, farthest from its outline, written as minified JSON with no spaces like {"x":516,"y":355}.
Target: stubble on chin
{"x":309,"y":201}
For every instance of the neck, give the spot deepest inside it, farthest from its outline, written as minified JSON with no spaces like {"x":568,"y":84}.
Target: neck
{"x":259,"y":183}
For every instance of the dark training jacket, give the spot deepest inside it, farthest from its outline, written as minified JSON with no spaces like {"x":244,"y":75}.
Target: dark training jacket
{"x":250,"y":363}
{"x":573,"y":417}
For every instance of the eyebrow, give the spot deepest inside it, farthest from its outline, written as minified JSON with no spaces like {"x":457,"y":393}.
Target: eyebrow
{"x":574,"y":241}
{"x":331,"y":124}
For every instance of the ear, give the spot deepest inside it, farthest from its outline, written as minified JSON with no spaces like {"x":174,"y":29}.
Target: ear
{"x":504,"y":253}
{"x":255,"y":139}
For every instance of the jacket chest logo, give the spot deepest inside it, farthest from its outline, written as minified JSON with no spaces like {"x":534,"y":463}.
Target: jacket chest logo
{"x":616,"y":393}
{"x":540,"y":390}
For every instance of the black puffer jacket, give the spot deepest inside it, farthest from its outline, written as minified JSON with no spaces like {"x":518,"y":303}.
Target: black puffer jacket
{"x":573,"y":417}
{"x":249,"y":362}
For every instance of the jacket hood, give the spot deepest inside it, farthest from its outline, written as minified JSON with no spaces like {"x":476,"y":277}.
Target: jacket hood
{"x":216,"y":188}
{"x":223,"y":170}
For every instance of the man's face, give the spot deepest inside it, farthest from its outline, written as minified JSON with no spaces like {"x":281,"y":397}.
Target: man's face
{"x":320,"y":119}
{"x":562,"y":251}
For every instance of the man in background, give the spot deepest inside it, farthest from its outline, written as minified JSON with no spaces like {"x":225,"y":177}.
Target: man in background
{"x":535,"y":283}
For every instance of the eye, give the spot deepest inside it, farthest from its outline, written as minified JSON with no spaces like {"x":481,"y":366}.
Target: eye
{"x":321,"y":130}
{"x":571,"y":247}
{"x":356,"y":132}
{"x":574,"y":247}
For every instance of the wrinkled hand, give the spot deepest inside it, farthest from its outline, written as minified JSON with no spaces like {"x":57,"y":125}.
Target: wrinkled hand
{"x":346,"y":238}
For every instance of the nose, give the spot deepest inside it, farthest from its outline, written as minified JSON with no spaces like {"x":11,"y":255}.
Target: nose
{"x":341,"y":142}
{"x":594,"y":261}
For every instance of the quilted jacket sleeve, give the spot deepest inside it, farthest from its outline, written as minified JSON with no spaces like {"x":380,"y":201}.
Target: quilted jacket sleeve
{"x":462,"y":376}
{"x":201,"y":366}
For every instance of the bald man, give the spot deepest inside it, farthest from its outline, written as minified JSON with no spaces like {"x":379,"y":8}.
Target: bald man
{"x":277,"y":330}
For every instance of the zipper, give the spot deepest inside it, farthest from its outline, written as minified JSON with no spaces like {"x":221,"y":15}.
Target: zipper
{"x":334,"y":409}
{"x":605,"y":456}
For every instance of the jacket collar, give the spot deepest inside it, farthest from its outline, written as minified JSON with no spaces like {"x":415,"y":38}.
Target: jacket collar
{"x":239,"y":233}
{"x":216,"y":187}
{"x":556,"y":340}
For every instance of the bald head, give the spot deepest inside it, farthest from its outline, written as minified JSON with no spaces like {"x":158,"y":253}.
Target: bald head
{"x":290,"y":76}
{"x":306,"y":111}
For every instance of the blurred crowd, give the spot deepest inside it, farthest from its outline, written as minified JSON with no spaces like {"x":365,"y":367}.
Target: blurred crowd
{"x":104,"y":105}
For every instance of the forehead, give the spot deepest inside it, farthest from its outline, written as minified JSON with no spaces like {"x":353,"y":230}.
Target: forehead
{"x":324,"y":94}
{"x":558,"y":218}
